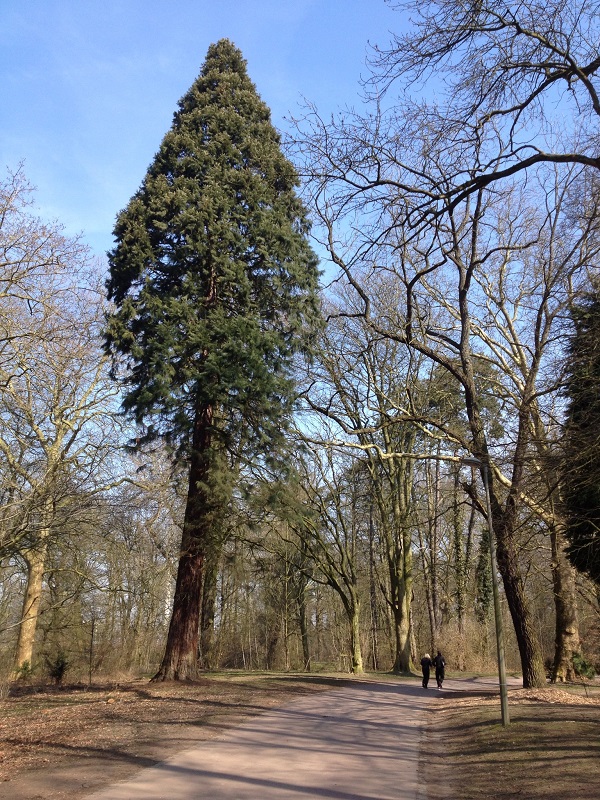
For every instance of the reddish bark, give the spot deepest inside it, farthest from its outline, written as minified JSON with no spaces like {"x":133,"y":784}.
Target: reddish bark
{"x":180,"y":661}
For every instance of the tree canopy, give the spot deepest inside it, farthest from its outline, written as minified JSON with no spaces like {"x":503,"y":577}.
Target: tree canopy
{"x":582,"y":453}
{"x":212,"y":276}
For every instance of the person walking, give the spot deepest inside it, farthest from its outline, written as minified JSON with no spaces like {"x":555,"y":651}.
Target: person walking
{"x":426,"y":664}
{"x":440,"y":667}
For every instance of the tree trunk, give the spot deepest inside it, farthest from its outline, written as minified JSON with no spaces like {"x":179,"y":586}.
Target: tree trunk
{"x":532,"y":663}
{"x":356,"y":653}
{"x":401,"y":602}
{"x":207,"y":615}
{"x":180,"y":661}
{"x":301,"y":601}
{"x":504,"y":519}
{"x":460,"y":565}
{"x":429,"y":554}
{"x":271,"y":643}
{"x":567,"y":627}
{"x":373,"y":595}
{"x":504,"y":522}
{"x":35,"y":560}
{"x":401,"y":613}
{"x":300,"y":588}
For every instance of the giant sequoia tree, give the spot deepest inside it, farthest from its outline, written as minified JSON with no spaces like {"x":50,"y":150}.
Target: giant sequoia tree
{"x":215,"y":288}
{"x":582,"y":453}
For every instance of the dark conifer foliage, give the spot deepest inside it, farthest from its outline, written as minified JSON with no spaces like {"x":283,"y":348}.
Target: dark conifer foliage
{"x":582,"y":456}
{"x":215,"y":291}
{"x":211,"y":274}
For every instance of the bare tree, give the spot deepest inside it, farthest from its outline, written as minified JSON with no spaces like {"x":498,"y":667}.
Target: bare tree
{"x":55,"y":397}
{"x":322,"y":514}
{"x":408,"y":188}
{"x":367,"y":387}
{"x":516,"y":85}
{"x":485,"y":287}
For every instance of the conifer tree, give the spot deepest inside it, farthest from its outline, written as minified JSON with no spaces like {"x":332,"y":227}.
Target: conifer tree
{"x":214,"y":287}
{"x":581,"y":468}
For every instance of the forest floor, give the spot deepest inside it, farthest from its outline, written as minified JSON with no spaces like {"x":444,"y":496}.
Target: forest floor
{"x":549,"y":751}
{"x":63,"y":743}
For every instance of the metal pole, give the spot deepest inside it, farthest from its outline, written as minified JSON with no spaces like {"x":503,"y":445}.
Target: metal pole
{"x":497,"y":609}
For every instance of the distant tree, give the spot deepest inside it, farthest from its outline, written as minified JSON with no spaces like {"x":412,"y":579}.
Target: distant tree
{"x":581,"y":469}
{"x":215,"y":289}
{"x":359,"y":387}
{"x":322,"y":512}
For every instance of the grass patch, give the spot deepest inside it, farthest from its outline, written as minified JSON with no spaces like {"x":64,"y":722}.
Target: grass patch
{"x":550,"y":750}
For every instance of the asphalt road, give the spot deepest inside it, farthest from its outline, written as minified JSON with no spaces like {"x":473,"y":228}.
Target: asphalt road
{"x":358,"y":742}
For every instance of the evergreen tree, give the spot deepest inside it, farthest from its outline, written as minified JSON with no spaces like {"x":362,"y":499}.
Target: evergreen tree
{"x":581,"y":468}
{"x":215,"y":292}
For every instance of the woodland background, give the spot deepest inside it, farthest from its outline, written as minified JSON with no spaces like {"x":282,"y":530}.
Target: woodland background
{"x":458,"y":249}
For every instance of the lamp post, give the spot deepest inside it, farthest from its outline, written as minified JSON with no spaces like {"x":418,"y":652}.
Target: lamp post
{"x":476,"y":462}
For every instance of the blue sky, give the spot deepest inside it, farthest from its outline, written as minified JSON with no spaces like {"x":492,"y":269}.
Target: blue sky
{"x":89,"y":87}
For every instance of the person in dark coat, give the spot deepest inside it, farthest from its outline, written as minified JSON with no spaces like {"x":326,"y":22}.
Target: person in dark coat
{"x":426,"y":664}
{"x":440,"y":667}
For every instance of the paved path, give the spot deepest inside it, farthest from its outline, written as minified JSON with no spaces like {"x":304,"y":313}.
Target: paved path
{"x":358,"y":742}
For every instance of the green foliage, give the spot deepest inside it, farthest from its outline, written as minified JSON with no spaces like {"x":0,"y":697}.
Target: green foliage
{"x":57,"y":665}
{"x":581,"y":465}
{"x":582,"y":667}
{"x":446,"y":398}
{"x":483,"y":579}
{"x":213,"y":280}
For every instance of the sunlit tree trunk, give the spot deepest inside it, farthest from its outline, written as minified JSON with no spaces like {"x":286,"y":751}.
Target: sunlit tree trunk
{"x":35,"y":560}
{"x":392,"y":487}
{"x":374,"y":617}
{"x":401,"y":611}
{"x":353,"y":613}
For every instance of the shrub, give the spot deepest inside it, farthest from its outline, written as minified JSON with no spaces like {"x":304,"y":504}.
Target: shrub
{"x":57,"y":666}
{"x":582,"y":667}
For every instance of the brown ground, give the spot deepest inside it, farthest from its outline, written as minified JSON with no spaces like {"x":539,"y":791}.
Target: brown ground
{"x":549,"y":750}
{"x":63,"y":743}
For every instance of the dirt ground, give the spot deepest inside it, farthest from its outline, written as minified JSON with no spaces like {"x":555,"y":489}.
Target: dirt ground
{"x":63,"y":743}
{"x":549,"y":750}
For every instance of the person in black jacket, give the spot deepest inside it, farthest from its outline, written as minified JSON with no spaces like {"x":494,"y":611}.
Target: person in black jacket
{"x":440,"y":666}
{"x":426,"y":664}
